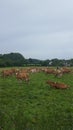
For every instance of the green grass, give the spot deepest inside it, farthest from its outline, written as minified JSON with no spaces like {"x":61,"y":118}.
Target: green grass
{"x":36,"y":105}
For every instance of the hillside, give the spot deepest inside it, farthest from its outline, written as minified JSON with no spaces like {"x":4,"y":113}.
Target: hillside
{"x":17,"y":59}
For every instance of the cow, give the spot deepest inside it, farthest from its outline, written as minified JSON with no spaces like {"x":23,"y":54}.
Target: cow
{"x":33,"y":70}
{"x":48,"y":70}
{"x":57,"y":85}
{"x":58,"y":73}
{"x":6,"y":73}
{"x":22,"y":76}
{"x":66,"y":70}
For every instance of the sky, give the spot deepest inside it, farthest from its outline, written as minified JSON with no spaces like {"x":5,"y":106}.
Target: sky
{"x":39,"y":29}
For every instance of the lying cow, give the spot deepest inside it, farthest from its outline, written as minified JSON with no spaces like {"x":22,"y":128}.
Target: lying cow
{"x":57,"y":85}
{"x":49,"y":71}
{"x":66,"y":70}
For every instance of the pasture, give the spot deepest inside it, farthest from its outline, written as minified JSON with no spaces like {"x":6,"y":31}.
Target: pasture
{"x":35,"y":105}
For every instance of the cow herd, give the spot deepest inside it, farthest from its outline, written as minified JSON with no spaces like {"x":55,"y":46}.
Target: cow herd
{"x":24,"y":74}
{"x":19,"y":73}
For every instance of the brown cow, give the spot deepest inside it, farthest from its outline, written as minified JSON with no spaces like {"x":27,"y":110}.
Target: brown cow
{"x":49,"y":71}
{"x":6,"y":73}
{"x":66,"y":70}
{"x":22,"y":76}
{"x":57,"y":85}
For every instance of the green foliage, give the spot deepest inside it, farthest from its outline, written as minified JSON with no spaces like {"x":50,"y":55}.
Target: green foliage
{"x":16,"y":59}
{"x":12,"y":59}
{"x":35,"y":105}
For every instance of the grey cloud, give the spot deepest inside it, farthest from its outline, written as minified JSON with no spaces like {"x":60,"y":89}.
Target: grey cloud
{"x":41,"y":29}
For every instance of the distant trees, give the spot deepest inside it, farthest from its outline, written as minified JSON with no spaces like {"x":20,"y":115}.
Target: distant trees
{"x":53,"y":62}
{"x":16,"y":59}
{"x":12,"y":59}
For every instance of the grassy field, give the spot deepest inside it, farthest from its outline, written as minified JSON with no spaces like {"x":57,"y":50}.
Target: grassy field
{"x":36,"y":105}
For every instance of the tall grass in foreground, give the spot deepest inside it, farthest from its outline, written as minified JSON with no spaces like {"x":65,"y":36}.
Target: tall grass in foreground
{"x":35,"y":105}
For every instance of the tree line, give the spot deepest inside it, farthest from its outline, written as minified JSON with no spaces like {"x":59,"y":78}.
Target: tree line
{"x":17,"y":59}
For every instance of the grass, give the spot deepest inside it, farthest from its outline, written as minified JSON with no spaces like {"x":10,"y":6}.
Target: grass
{"x":35,"y":105}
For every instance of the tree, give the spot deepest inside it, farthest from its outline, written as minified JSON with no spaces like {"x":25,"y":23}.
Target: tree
{"x":12,"y":59}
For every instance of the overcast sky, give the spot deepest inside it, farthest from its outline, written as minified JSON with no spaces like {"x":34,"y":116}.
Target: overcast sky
{"x":41,"y":29}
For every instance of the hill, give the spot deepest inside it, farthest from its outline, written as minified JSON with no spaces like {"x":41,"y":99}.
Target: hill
{"x":17,"y":59}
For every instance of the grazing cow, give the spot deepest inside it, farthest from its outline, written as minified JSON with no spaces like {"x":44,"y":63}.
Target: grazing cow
{"x":57,"y":85}
{"x":6,"y":73}
{"x":22,"y":76}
